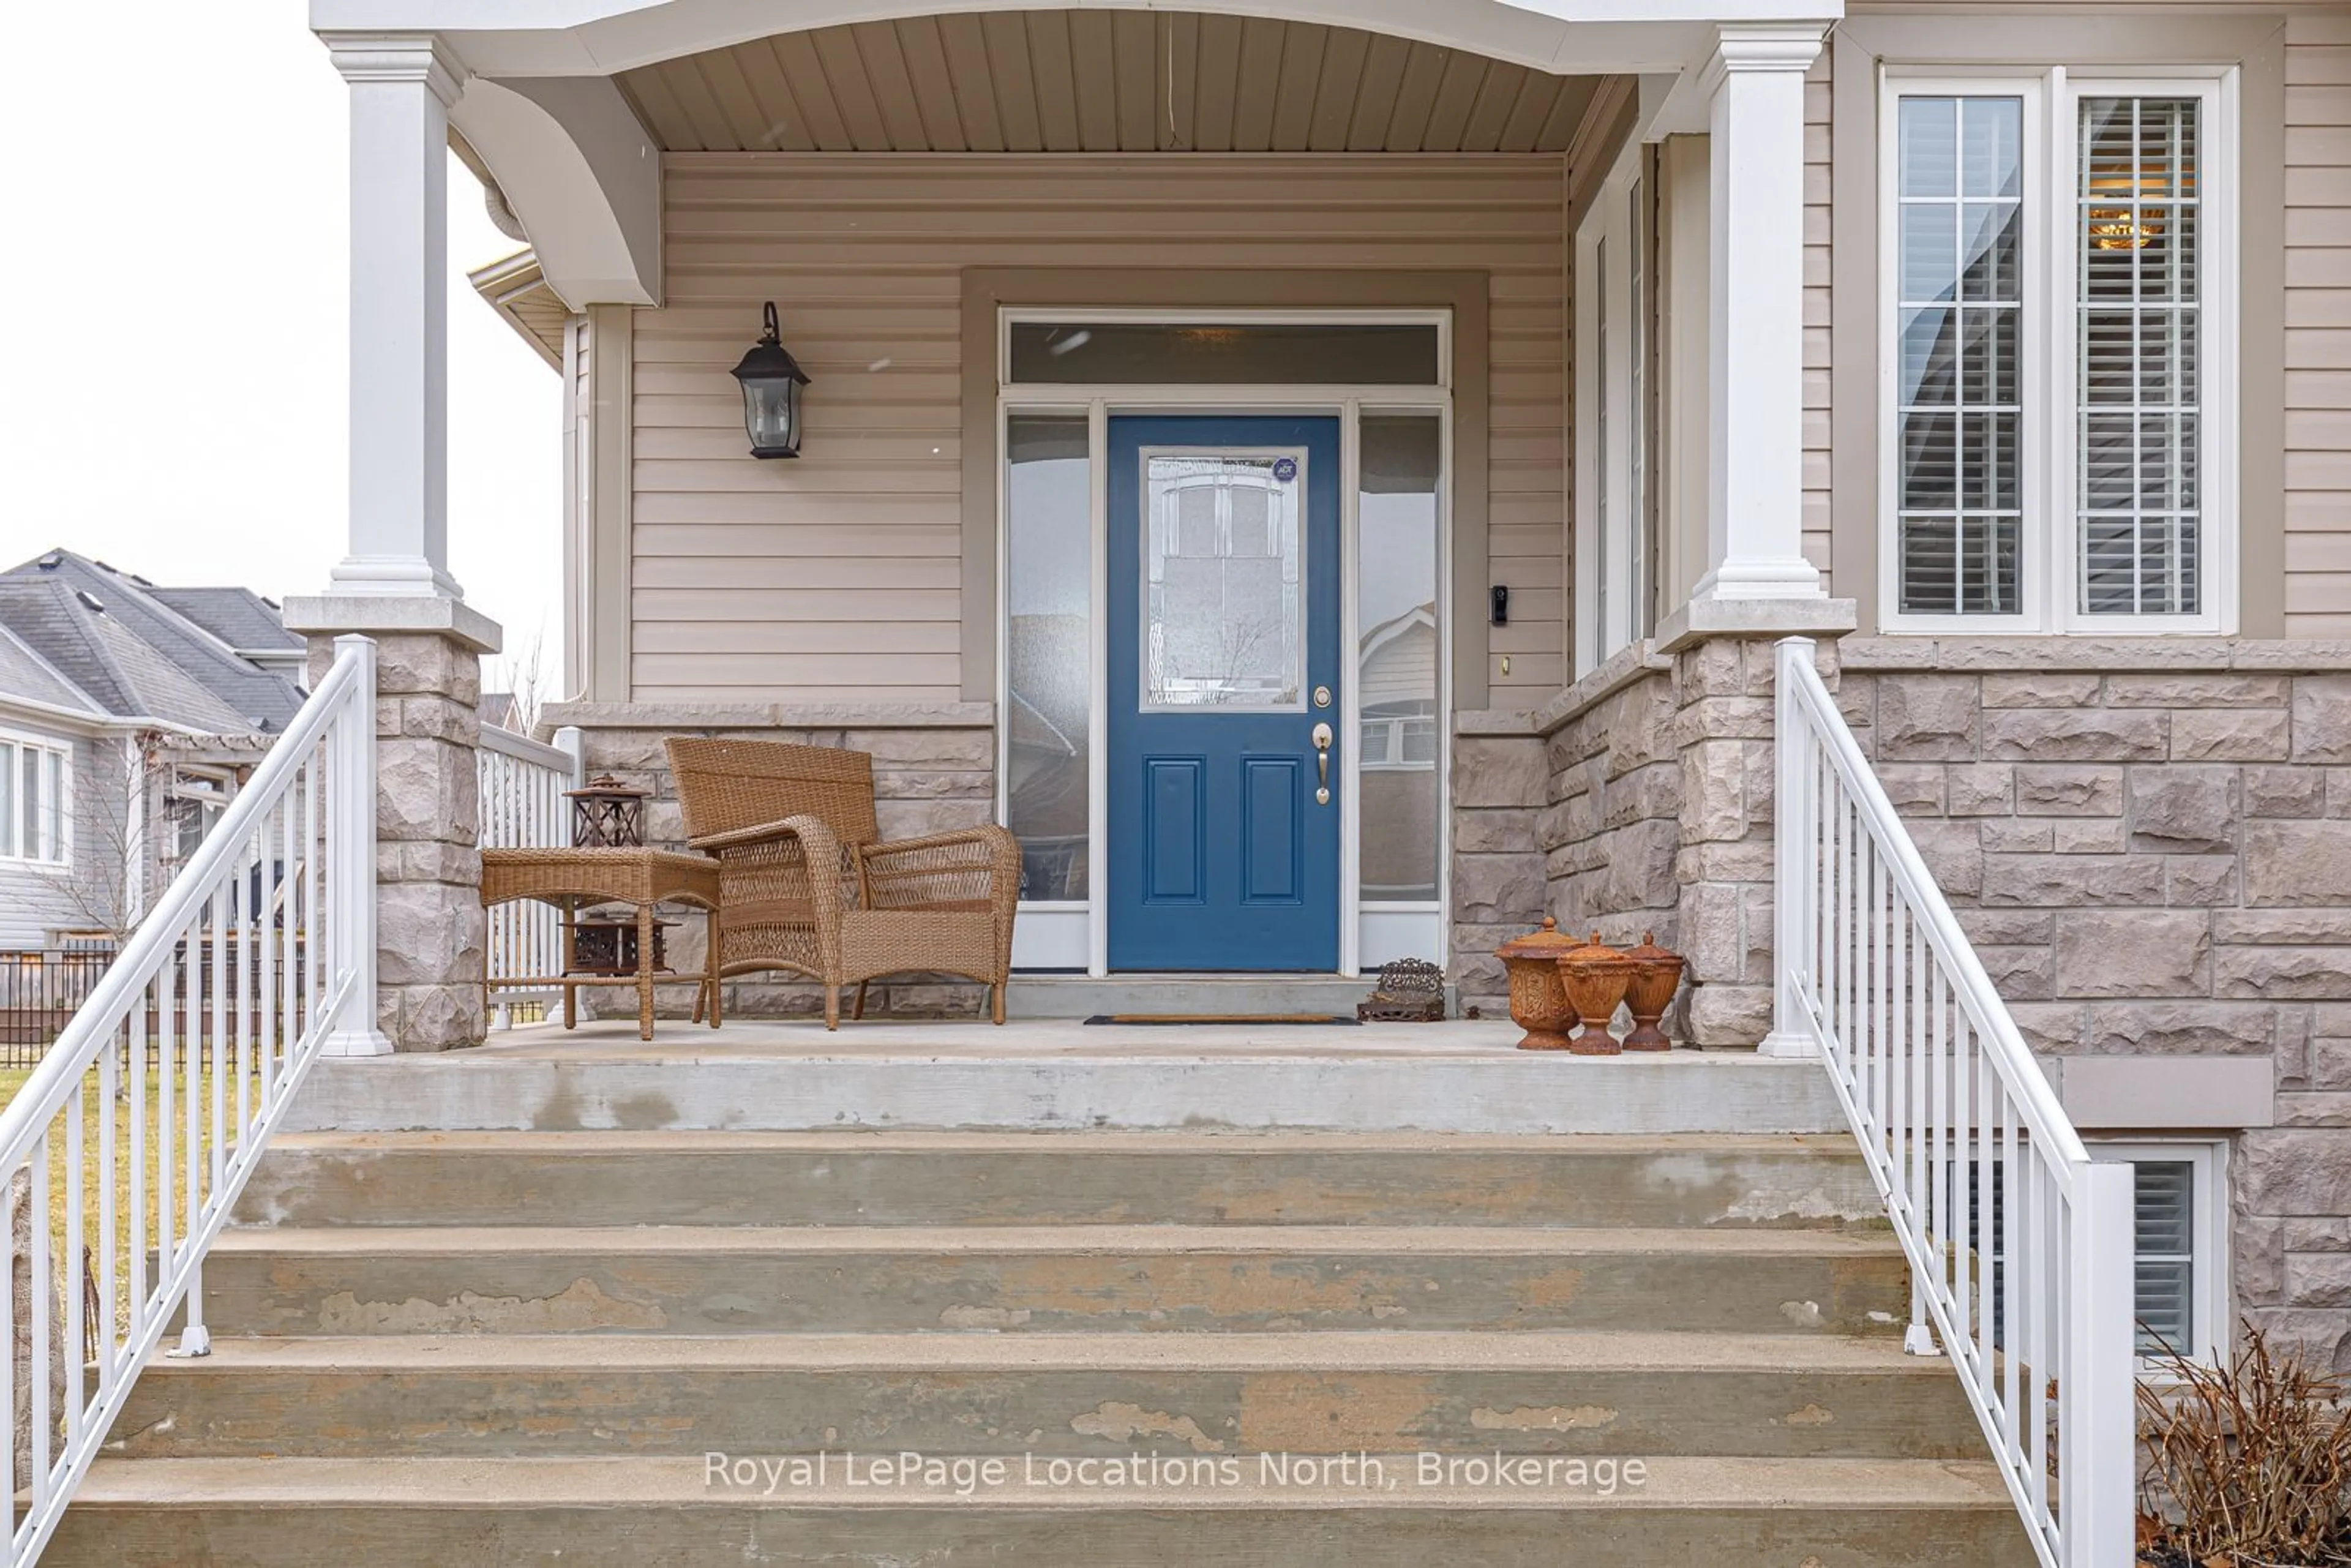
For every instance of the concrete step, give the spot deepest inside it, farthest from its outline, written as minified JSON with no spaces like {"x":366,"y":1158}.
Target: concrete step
{"x":1458,"y":1078}
{"x":1070,"y":1178}
{"x":1597,"y":1393}
{"x":1771,"y":1513}
{"x":1226,"y":1279}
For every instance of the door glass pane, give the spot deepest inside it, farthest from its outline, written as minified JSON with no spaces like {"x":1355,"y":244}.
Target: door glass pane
{"x":1241,"y":355}
{"x":1047,"y":591}
{"x":1223,"y":611}
{"x":7,"y":800}
{"x":1397,"y":660}
{"x":2139,"y":292}
{"x":1960,"y":238}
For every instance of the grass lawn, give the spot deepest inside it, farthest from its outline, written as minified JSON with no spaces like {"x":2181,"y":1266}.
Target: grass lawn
{"x":61,"y":1175}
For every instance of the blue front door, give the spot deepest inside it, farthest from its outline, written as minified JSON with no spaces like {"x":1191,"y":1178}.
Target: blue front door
{"x":1224,"y":671}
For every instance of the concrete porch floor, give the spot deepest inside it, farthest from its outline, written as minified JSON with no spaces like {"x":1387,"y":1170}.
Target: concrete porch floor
{"x":1059,"y":1075}
{"x":678,"y":1040}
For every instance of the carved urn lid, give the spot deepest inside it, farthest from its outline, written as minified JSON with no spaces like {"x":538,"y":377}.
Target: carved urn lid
{"x":1648,"y":952}
{"x":1545,"y":945}
{"x":1592,"y":952}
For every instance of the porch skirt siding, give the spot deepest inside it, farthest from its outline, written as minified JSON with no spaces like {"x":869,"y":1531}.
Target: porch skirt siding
{"x":835,"y":578}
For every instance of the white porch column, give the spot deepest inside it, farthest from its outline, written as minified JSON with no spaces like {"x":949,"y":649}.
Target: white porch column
{"x":1756,"y":314}
{"x":401,"y":91}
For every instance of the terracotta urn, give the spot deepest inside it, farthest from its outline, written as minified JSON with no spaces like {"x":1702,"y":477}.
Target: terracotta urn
{"x":1538,"y":1000}
{"x":1657,"y":975}
{"x":1595,"y":977}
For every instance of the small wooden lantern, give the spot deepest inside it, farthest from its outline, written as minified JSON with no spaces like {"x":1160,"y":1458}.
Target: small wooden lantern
{"x":607,"y":815}
{"x":607,"y":945}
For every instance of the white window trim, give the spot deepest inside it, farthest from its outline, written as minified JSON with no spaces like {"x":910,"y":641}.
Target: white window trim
{"x":1608,"y":222}
{"x":2047,"y":559}
{"x":12,"y":852}
{"x":2209,"y":1236}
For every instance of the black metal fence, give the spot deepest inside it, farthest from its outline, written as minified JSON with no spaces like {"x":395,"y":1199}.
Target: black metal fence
{"x":41,"y":989}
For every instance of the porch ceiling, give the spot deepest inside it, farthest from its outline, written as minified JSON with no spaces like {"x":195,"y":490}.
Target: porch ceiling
{"x":1102,"y":81}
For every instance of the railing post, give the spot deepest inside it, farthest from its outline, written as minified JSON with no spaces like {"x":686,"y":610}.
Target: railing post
{"x":573,"y":742}
{"x":1791,"y":837}
{"x":196,"y":1339}
{"x":2097,"y":1432}
{"x":350,"y":861}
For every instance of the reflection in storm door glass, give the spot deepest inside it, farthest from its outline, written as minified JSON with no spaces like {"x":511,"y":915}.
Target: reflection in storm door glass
{"x":1224,"y":612}
{"x":1396,"y":658}
{"x":1048,"y":587}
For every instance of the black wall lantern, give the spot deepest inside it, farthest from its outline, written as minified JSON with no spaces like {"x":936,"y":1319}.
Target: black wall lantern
{"x":771,"y":394}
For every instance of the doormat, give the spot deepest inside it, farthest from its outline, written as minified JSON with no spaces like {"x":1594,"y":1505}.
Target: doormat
{"x":1222,"y":1017}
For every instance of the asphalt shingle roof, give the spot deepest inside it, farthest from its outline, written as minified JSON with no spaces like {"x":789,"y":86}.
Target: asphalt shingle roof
{"x":24,"y":674}
{"x":135,"y":653}
{"x":237,"y":616}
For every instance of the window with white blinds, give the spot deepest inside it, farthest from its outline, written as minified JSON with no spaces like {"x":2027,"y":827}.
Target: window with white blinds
{"x":2056,"y":266}
{"x":2137,"y":289}
{"x":1962,"y":305}
{"x":2179,"y":1279}
{"x":2165,"y":1258}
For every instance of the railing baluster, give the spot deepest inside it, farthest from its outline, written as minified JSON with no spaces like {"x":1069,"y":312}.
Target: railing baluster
{"x":110,"y":1083}
{"x":227,"y":977}
{"x":70,"y":1257}
{"x":9,"y":1391}
{"x":37,"y":1371}
{"x":2019,"y":1245}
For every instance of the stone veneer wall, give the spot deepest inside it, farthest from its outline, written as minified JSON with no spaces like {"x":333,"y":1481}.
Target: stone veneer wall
{"x":1637,"y":800}
{"x":2148,"y":840}
{"x":933,"y":768}
{"x":2149,"y":844}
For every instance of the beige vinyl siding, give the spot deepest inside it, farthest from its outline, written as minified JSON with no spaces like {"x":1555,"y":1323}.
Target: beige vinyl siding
{"x":2318,"y":327}
{"x":1818,"y":478}
{"x":835,"y":577}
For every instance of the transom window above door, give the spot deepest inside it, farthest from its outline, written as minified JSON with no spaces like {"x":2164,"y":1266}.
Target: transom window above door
{"x":2059,"y":439}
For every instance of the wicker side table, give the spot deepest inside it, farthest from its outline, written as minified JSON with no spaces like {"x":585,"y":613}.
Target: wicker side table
{"x":573,"y":880}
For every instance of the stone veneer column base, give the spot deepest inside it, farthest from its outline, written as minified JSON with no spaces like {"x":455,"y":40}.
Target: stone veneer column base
{"x":429,"y":933}
{"x":1646,"y":790}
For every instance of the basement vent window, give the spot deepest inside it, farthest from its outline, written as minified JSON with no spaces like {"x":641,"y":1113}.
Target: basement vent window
{"x":2180,"y":1266}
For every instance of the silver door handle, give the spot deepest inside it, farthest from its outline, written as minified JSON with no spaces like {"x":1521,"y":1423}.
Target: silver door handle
{"x":1322,"y":764}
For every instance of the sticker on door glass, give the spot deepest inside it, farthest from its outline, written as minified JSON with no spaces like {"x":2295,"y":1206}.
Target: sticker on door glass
{"x":1223,"y":592}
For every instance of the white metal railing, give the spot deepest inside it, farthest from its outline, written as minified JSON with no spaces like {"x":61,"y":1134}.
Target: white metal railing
{"x":2019,"y":1246}
{"x":127,"y":1145}
{"x":522,"y":807}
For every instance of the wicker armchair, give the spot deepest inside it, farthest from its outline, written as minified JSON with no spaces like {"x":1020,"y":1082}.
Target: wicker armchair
{"x":806,"y":885}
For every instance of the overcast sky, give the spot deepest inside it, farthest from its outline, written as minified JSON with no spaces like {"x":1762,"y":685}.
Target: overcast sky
{"x":173,"y":190}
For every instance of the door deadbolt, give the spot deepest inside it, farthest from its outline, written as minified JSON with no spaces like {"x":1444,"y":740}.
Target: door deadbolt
{"x":1322,"y":696}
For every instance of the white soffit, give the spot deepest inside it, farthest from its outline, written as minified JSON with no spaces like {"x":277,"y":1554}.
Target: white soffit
{"x":517,"y":289}
{"x":1098,"y":81}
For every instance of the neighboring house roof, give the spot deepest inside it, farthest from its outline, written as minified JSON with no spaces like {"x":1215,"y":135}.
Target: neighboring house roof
{"x":129,"y":647}
{"x":517,"y":289}
{"x":27,"y":678}
{"x":237,"y":616}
